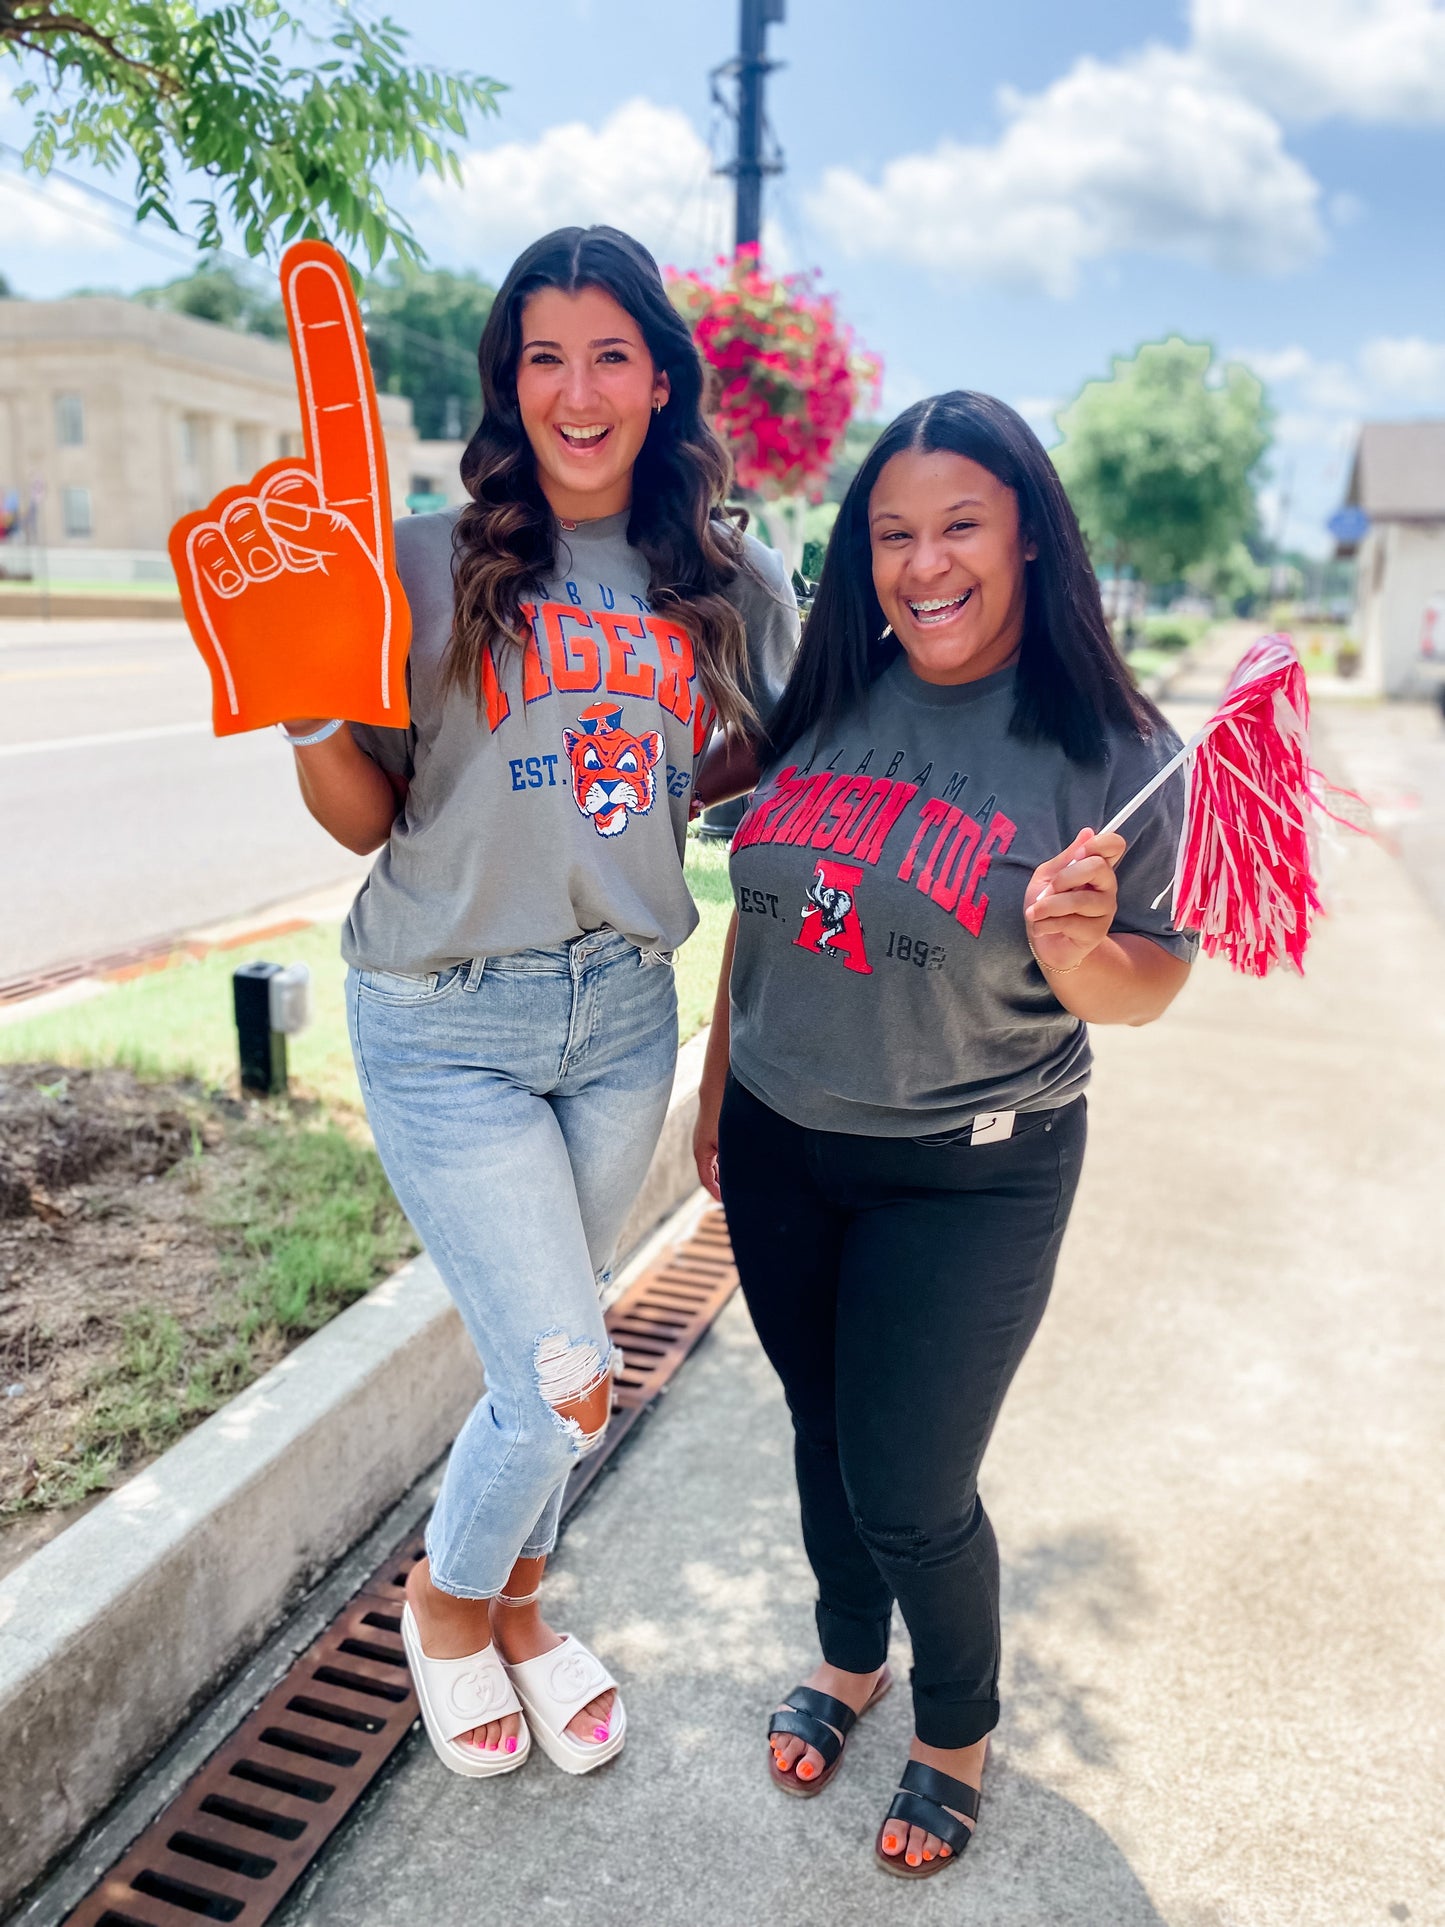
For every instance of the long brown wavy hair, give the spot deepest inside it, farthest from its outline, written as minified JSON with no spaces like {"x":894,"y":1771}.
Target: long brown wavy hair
{"x":505,"y":542}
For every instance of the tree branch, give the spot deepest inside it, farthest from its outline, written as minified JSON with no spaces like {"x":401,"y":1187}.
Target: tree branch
{"x":16,"y":30}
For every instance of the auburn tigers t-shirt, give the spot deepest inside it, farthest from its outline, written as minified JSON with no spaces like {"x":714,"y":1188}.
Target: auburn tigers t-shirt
{"x":562,"y":807}
{"x":883,"y":982}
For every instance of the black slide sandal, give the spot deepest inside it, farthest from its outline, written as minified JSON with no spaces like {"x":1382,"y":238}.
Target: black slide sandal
{"x":812,"y":1717}
{"x":922,"y":1800}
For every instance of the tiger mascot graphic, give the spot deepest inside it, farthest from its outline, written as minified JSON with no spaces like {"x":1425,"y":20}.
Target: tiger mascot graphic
{"x":612,"y":770}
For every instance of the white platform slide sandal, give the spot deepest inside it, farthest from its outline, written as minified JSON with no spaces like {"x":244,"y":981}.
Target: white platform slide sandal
{"x":553,"y":1689}
{"x":456,"y":1695}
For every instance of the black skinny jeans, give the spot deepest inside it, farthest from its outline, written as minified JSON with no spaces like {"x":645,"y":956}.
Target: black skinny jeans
{"x":895,"y":1285}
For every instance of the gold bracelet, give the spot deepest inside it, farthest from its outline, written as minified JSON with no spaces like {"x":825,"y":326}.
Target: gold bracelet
{"x":1057,"y":970}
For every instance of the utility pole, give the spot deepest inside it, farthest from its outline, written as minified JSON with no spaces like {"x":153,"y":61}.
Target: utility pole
{"x":756,"y":154}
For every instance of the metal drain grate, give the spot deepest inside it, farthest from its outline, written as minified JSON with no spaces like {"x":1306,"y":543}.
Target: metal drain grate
{"x":240,"y":1834}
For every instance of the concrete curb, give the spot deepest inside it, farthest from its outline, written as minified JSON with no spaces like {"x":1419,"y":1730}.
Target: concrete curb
{"x":113,"y":1632}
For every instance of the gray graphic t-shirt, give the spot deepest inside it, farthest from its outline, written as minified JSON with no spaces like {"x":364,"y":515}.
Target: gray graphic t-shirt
{"x":883,"y":982}
{"x":563,"y":806}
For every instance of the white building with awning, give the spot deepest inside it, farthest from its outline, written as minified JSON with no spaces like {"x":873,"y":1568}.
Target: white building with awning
{"x":1393,"y":522}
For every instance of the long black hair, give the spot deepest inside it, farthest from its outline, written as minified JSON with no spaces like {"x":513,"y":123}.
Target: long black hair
{"x":506,"y":536}
{"x":1071,"y":685}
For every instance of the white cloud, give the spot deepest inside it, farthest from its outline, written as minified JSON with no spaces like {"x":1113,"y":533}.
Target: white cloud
{"x":1151,"y":154}
{"x":1368,"y":60}
{"x":644,"y":169}
{"x":1388,"y":372}
{"x":1407,"y":368}
{"x":1322,"y":402}
{"x":1040,"y":411}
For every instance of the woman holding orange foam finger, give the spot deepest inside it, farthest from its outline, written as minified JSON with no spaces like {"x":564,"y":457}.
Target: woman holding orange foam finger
{"x":893,"y":1098}
{"x":576,"y":629}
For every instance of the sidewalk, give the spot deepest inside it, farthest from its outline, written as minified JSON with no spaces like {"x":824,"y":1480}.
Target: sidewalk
{"x":1217,"y":1490}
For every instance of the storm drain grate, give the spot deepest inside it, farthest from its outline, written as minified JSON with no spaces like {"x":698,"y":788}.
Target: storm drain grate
{"x":240,"y":1834}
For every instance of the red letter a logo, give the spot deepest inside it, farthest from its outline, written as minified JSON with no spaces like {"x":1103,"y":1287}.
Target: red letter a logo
{"x":830,"y":919}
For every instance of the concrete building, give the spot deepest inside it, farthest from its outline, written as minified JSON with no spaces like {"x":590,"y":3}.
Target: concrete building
{"x":1398,"y":484}
{"x":116,"y":418}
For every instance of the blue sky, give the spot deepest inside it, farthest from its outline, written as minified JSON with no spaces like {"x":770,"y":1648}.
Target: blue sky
{"x":1002,"y":197}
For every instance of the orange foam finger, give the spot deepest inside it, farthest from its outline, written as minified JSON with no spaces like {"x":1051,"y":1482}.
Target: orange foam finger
{"x":316,"y":623}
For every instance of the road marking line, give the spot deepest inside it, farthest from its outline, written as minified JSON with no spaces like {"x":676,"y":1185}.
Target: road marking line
{"x":84,"y":669}
{"x":57,"y":743}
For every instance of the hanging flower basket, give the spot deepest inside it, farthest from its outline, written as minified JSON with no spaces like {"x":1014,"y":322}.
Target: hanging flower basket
{"x":790,"y":376}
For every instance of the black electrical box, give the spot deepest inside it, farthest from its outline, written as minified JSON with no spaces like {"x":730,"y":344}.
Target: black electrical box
{"x":263,"y":1050}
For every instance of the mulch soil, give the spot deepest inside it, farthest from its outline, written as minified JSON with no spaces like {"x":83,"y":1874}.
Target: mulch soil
{"x":105,"y":1182}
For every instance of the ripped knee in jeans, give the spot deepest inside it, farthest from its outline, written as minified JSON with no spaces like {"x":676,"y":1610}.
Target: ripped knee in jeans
{"x":574,"y":1377}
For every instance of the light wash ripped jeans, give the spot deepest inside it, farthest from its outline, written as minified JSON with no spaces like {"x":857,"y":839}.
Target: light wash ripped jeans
{"x":516,"y":1102}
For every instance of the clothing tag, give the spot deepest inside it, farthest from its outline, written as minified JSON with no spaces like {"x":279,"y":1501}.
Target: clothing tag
{"x":992,"y":1127}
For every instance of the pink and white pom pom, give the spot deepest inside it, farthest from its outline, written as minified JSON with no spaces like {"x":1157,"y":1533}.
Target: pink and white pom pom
{"x":1245,"y":876}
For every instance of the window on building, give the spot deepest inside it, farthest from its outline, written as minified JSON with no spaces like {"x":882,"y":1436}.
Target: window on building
{"x":192,"y":438}
{"x":288,"y":446}
{"x":247,"y":444}
{"x":69,"y":421}
{"x":75,"y":510}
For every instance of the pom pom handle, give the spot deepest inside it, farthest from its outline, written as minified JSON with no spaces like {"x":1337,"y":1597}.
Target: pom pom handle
{"x":1158,"y":780}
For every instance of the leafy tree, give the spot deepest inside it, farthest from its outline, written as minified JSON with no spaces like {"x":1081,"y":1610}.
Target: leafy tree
{"x":1234,"y":578}
{"x":217,"y":293}
{"x":284,"y":144}
{"x":1160,"y":459}
{"x":423,"y":328}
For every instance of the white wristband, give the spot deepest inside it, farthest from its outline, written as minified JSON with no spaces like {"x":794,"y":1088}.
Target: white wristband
{"x":316,"y":736}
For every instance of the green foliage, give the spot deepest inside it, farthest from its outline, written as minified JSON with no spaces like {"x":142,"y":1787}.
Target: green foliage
{"x":858,"y":438}
{"x":314,"y":1226}
{"x":423,"y":329}
{"x":1231,"y":578}
{"x":1160,"y":459}
{"x":217,"y":293}
{"x":283,"y":147}
{"x":817,"y":527}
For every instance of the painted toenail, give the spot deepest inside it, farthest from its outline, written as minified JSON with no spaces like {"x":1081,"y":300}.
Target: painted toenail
{"x":805,"y":1771}
{"x":927,"y":1853}
{"x":599,"y":1732}
{"x":890,"y":1843}
{"x":512,"y":1744}
{"x":912,"y":1859}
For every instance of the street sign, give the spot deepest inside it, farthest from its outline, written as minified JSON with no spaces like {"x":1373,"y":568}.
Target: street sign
{"x":1349,"y":525}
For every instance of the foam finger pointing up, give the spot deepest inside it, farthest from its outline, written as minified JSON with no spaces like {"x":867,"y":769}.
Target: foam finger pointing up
{"x":338,"y":410}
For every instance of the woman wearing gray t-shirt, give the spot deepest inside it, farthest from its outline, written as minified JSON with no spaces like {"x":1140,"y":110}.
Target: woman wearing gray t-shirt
{"x":924,"y":929}
{"x":578,"y":630}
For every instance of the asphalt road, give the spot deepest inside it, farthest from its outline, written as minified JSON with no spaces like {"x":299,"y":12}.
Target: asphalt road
{"x":126,"y":819}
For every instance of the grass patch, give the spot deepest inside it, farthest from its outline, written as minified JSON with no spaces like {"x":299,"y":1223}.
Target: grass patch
{"x":290,"y":1219}
{"x":312,"y":1224}
{"x":178,"y":1022}
{"x":700,"y":958}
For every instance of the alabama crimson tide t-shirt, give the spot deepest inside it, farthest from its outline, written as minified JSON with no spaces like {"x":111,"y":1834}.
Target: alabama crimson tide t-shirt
{"x":883,"y":983}
{"x":562,"y":806}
